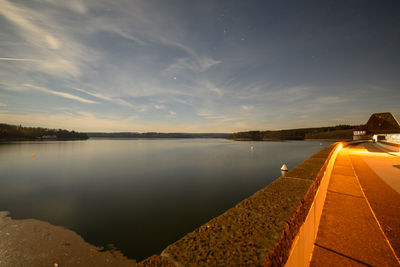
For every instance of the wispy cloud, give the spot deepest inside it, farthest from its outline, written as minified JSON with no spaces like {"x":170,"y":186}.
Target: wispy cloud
{"x":326,"y":100}
{"x":104,"y":97}
{"x":207,"y":84}
{"x":159,"y":106}
{"x":17,"y":59}
{"x":220,"y":118}
{"x":281,"y":94}
{"x":55,"y":52}
{"x":195,"y":62}
{"x":74,"y":5}
{"x":83,"y":121}
{"x":19,"y":16}
{"x":62,"y":94}
{"x":247,"y":107}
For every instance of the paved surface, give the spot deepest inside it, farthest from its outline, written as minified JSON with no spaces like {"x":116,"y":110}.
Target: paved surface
{"x":360,"y":223}
{"x":381,"y":161}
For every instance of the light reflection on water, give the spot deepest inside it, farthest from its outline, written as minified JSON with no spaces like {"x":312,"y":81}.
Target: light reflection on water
{"x":139,"y":195}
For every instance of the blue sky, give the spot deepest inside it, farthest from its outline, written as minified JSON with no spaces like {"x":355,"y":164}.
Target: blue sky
{"x":197,"y":66}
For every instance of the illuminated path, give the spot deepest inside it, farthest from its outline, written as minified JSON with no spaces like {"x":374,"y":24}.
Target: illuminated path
{"x":360,"y":222}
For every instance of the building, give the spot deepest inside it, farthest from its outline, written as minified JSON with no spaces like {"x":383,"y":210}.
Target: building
{"x":381,"y":127}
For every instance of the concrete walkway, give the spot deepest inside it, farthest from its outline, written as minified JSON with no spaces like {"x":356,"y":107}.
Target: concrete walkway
{"x":360,"y":223}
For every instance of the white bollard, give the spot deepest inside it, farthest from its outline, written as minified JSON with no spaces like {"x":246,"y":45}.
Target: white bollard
{"x":284,"y":169}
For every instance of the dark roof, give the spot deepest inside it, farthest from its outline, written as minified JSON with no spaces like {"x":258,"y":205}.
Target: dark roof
{"x":382,"y":123}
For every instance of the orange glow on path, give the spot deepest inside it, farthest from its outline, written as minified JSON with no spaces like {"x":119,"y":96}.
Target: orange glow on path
{"x":364,"y":152}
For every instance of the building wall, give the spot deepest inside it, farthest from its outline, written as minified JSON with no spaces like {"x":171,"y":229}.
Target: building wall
{"x":361,"y":137}
{"x":392,"y":138}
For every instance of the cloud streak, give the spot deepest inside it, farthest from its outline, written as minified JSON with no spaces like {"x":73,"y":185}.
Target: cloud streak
{"x":54,"y":50}
{"x":17,"y":59}
{"x":62,"y":94}
{"x":106,"y":98}
{"x":247,"y":107}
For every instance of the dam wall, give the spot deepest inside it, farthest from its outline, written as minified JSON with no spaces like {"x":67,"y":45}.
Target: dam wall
{"x":275,"y":226}
{"x":303,"y":244}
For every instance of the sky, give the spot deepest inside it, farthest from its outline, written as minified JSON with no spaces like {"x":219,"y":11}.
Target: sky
{"x":197,"y":66}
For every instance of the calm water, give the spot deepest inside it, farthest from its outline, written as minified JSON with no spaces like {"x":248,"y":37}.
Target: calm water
{"x":139,"y":195}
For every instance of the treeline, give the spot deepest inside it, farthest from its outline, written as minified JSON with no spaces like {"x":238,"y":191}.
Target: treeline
{"x":14,"y":132}
{"x":155,"y":135}
{"x":340,"y":132}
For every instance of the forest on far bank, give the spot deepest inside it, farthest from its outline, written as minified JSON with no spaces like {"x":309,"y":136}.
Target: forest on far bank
{"x":339,"y":132}
{"x":15,"y":132}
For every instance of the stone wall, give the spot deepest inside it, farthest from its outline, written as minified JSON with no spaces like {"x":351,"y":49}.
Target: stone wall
{"x":393,"y":138}
{"x":258,"y":231}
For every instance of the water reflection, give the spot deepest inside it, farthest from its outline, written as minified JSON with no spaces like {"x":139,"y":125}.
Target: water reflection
{"x":140,"y":195}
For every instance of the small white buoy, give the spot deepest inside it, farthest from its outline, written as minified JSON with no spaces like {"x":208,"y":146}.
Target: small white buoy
{"x":284,"y":168}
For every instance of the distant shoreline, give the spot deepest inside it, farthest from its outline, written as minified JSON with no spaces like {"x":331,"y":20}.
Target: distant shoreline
{"x":332,"y":133}
{"x":10,"y":132}
{"x":155,"y":135}
{"x":166,"y":137}
{"x":40,"y":140}
{"x":280,"y":140}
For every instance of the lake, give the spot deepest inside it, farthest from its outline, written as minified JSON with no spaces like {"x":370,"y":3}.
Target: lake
{"x":138,"y":195}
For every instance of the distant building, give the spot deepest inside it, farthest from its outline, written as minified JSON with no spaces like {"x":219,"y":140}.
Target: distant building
{"x":380,"y":127}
